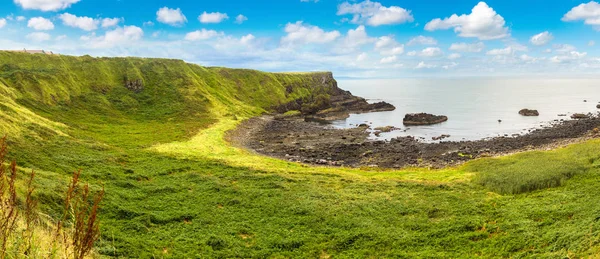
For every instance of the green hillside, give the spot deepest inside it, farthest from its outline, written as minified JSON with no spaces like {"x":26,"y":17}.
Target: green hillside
{"x":152,"y":133}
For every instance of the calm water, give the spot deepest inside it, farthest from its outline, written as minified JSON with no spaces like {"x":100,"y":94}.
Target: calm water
{"x":473,"y":105}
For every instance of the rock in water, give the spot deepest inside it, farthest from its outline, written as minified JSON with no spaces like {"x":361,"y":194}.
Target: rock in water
{"x":580,"y":116}
{"x":528,"y":112}
{"x":598,"y":106}
{"x":416,"y":119}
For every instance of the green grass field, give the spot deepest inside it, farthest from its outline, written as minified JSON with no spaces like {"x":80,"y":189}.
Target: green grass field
{"x":176,"y":189}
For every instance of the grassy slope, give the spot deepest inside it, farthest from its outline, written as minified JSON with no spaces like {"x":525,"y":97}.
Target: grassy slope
{"x":175,"y":188}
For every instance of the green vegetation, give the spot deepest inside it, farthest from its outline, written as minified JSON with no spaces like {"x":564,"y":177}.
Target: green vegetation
{"x":536,"y":170}
{"x":176,"y":189}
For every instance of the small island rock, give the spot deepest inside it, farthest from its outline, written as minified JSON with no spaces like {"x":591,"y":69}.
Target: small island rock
{"x":528,"y":112}
{"x":416,"y":119}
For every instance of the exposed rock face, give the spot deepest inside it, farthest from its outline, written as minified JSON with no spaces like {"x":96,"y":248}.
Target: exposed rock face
{"x":416,"y":119}
{"x":386,"y":129}
{"x":441,"y":137}
{"x":528,"y":112}
{"x":135,"y":85}
{"x":579,"y":116}
{"x":598,"y":106}
{"x":328,"y":101}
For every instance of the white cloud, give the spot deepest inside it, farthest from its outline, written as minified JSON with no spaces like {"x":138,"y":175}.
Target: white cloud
{"x":45,"y":5}
{"x":2,"y":22}
{"x":589,"y":13}
{"x":411,"y":54}
{"x":387,"y":46}
{"x":431,"y":52}
{"x":21,"y":18}
{"x":387,"y":60}
{"x":483,"y":23}
{"x":568,"y":57}
{"x":422,"y":65}
{"x":173,"y":17}
{"x":501,"y":52}
{"x":203,"y":34}
{"x":212,"y":17}
{"x":422,"y":40}
{"x":299,"y":33}
{"x":110,"y":22}
{"x":466,"y":47}
{"x":247,"y":39}
{"x":454,"y":56}
{"x":541,"y":39}
{"x":240,"y":19}
{"x":362,"y":57}
{"x":40,"y":24}
{"x":564,"y":48}
{"x":450,"y":66}
{"x":374,"y":13}
{"x":117,"y":37}
{"x":84,"y":23}
{"x":356,"y":38}
{"x":38,"y":36}
{"x":591,"y":43}
{"x":60,"y":37}
{"x":148,"y":24}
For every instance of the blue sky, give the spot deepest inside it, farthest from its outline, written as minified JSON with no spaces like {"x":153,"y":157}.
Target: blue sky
{"x":351,"y":38}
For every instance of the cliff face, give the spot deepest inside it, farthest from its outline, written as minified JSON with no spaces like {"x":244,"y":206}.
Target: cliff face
{"x":145,"y":88}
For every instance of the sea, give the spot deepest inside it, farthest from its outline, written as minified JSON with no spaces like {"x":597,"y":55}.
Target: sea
{"x":477,"y":107}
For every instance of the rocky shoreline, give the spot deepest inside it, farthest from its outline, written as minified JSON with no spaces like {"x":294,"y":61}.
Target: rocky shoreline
{"x":297,"y":140}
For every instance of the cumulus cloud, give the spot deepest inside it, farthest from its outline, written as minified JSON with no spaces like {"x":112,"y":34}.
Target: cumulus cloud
{"x":203,"y":34}
{"x":215,"y":17}
{"x":422,"y":40}
{"x":110,"y":22}
{"x":247,"y":39}
{"x":356,"y":38}
{"x":450,"y":66}
{"x":568,"y":57}
{"x":510,"y":50}
{"x":38,"y":36}
{"x":362,"y":57}
{"x":374,"y":13}
{"x":240,"y":19}
{"x":21,"y":18}
{"x":387,"y":45}
{"x":483,"y":23}
{"x":423,"y":65}
{"x":387,"y":60}
{"x":173,"y":17}
{"x":564,"y":48}
{"x":117,"y":37}
{"x":2,"y":22}
{"x":40,"y":24}
{"x":541,"y":39}
{"x":588,"y":13}
{"x":300,"y":33}
{"x":454,"y":56}
{"x":466,"y":47}
{"x":45,"y":5}
{"x":431,"y":52}
{"x":84,"y":23}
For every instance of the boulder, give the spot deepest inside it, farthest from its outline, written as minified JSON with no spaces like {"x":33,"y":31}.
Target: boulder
{"x":441,"y":137}
{"x":580,"y":116}
{"x":598,"y":106}
{"x":528,"y":112}
{"x":416,"y":119}
{"x":386,"y":129}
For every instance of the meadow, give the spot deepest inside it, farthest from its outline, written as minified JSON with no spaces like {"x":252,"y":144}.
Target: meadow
{"x":174,"y":187}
